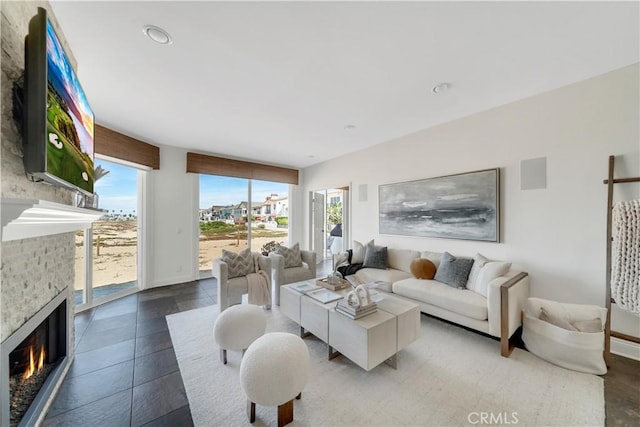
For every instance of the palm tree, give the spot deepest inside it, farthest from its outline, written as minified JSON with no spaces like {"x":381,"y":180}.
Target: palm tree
{"x":99,"y":172}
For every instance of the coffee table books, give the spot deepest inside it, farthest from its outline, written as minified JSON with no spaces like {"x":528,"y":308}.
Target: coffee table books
{"x":356,"y":313}
{"x":323,"y":295}
{"x":305,"y":287}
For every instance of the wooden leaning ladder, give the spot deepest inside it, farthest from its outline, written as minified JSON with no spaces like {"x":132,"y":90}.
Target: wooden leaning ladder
{"x":610,"y":181}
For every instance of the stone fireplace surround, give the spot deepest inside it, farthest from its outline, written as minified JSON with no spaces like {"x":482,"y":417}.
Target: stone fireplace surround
{"x":48,"y":389}
{"x":35,"y":269}
{"x":38,"y":251}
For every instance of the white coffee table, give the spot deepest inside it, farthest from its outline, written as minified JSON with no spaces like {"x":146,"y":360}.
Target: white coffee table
{"x":368,"y":341}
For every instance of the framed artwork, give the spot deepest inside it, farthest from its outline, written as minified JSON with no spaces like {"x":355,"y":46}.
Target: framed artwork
{"x":463,"y":206}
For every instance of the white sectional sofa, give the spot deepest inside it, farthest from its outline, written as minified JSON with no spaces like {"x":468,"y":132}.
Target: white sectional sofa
{"x":499,"y":314}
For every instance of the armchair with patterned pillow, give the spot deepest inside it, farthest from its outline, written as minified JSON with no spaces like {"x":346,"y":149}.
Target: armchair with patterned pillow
{"x":243,"y":273}
{"x":291,"y":265}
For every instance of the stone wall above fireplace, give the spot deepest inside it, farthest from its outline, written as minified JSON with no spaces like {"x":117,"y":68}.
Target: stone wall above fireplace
{"x":32,"y":271}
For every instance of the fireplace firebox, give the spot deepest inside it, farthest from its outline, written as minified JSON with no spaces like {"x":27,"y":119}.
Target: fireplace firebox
{"x":33,"y":359}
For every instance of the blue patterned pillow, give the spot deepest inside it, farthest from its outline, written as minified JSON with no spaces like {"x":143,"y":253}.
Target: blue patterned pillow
{"x":375,"y":256}
{"x":291,"y":255}
{"x":454,"y":271}
{"x":239,"y":264}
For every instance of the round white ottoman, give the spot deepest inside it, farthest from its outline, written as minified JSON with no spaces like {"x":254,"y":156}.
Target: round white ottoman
{"x":274,"y":370}
{"x":237,"y":327}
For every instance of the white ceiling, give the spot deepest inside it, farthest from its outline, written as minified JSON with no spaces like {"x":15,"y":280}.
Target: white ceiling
{"x":278,"y":82}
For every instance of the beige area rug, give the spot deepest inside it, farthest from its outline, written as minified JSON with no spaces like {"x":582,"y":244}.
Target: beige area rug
{"x":449,"y":377}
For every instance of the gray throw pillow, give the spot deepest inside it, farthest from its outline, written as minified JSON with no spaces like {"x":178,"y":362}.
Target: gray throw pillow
{"x":292,"y":257}
{"x":375,"y":256}
{"x":454,"y":271}
{"x":239,"y":264}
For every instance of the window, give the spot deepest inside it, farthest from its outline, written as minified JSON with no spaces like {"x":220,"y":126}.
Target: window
{"x":237,"y":213}
{"x":112,"y":257}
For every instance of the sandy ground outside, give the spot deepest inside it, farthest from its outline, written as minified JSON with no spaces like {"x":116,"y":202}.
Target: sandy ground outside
{"x":116,"y":261}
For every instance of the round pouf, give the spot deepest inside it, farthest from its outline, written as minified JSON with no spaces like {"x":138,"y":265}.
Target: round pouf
{"x":274,"y":369}
{"x":238,"y":326}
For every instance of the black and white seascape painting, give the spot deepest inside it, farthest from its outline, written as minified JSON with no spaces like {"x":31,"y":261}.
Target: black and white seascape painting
{"x":464,"y":206}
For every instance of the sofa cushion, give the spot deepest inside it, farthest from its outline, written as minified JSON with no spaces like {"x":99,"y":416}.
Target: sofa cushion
{"x":479,"y":261}
{"x":434,"y":257}
{"x":400,"y":259}
{"x":375,"y":256}
{"x":297,"y":274}
{"x":239,"y":264}
{"x":291,"y":255}
{"x":453,"y":270}
{"x":487,"y":273}
{"x":422,"y":268}
{"x":358,"y":251}
{"x":367,"y":275}
{"x":460,"y":301}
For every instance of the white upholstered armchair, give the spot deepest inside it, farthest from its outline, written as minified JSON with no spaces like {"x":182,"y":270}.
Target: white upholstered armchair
{"x":230,"y":290}
{"x":283,"y":275}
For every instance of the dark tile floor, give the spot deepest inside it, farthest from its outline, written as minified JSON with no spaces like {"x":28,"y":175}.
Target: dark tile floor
{"x":125,"y":371}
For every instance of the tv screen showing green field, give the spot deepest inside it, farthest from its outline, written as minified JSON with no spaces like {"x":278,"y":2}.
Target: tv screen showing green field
{"x":69,"y":120}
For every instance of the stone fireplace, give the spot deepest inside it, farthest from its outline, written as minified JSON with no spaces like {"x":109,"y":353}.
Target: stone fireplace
{"x":32,"y":361}
{"x":36,"y":299}
{"x":38,"y":224}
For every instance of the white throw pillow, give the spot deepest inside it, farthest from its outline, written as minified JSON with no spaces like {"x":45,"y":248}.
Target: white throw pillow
{"x":479,"y":261}
{"x":434,"y":257}
{"x":487,"y":273}
{"x":357,"y":257}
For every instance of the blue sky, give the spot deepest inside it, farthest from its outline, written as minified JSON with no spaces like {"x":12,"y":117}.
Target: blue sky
{"x":221,"y":190}
{"x":118,"y":189}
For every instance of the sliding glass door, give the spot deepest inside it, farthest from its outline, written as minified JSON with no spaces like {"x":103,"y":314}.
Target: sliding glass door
{"x":237,"y":213}
{"x":223,"y":217}
{"x":270,"y":219}
{"x":107,"y":253}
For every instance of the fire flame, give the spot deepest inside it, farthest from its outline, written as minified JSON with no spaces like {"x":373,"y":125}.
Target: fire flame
{"x":33,"y":367}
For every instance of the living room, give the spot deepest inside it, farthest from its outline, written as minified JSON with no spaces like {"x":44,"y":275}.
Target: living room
{"x":556,"y":233}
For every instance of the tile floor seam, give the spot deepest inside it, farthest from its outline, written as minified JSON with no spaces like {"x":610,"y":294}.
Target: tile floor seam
{"x":167,"y":414}
{"x":92,"y":402}
{"x":133,"y":374}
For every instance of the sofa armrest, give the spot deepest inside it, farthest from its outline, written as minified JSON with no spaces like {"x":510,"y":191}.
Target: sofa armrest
{"x":220,"y":270}
{"x":310,"y":258}
{"x":506,"y":299}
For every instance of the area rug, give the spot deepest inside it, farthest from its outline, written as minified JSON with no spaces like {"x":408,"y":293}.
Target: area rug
{"x":448,"y":377}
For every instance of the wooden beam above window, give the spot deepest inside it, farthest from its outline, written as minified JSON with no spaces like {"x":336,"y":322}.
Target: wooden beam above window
{"x":211,"y":165}
{"x":114,"y":144}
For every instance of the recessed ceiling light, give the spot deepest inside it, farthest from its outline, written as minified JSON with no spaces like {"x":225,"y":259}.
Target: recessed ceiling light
{"x":441,"y":87}
{"x":157,"y":34}
{"x":311,"y":156}
{"x":349,"y":127}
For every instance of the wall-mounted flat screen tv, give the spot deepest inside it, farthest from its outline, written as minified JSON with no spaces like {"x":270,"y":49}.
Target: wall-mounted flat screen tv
{"x":58,"y":125}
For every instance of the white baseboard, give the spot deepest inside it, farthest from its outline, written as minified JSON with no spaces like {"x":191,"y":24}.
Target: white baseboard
{"x":625,"y":348}
{"x":172,"y":281}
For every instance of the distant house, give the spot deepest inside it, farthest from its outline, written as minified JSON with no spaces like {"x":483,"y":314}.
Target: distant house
{"x":273,"y":206}
{"x":205,"y":214}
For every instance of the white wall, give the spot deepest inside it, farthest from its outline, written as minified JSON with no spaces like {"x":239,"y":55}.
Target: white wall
{"x":173,"y":197}
{"x":556,"y":234}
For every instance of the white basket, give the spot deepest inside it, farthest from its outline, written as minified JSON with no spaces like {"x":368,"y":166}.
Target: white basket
{"x":579,"y":351}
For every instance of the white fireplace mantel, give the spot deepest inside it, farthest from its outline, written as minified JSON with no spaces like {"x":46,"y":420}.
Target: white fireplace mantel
{"x":26,"y":218}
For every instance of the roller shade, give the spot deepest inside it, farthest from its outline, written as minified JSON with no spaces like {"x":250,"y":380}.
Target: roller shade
{"x":201,"y":163}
